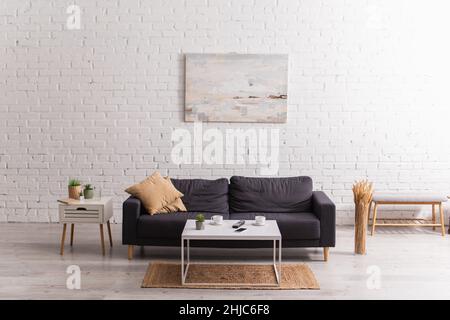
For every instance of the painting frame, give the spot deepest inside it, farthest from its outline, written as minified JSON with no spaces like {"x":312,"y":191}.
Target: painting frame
{"x":234,"y":87}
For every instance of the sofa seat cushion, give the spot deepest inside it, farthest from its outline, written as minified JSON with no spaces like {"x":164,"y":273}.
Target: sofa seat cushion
{"x":168,"y":226}
{"x":204,"y":195}
{"x":293,"y":226}
{"x":270,"y":194}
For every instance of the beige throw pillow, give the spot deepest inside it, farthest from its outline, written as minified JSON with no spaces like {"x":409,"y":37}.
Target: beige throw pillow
{"x":176,"y":206}
{"x":155,"y":193}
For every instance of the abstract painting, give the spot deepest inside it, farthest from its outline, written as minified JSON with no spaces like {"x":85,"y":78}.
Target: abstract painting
{"x":236,"y":87}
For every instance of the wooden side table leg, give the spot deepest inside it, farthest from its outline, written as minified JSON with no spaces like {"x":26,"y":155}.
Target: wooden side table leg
{"x":441,"y":211}
{"x":109,"y":233}
{"x":102,"y":239}
{"x":63,"y":238}
{"x":434,"y":216}
{"x":72,"y":227}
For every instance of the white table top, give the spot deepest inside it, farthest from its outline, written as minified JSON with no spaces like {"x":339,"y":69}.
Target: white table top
{"x":95,"y":201}
{"x":409,"y":197}
{"x":269,"y":231}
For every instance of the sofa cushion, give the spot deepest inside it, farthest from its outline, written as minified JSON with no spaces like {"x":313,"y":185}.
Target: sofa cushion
{"x":293,"y":226}
{"x":204,"y":195}
{"x":155,"y":192}
{"x":168,"y":226}
{"x":175,"y":206}
{"x":269,"y":194}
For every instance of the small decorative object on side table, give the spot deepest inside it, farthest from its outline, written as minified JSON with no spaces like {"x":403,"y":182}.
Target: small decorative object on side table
{"x":200,"y":221}
{"x":87,"y":211}
{"x":88,"y":191}
{"x":74,"y":189}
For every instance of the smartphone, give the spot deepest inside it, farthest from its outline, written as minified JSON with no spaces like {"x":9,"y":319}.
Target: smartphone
{"x":240,"y":229}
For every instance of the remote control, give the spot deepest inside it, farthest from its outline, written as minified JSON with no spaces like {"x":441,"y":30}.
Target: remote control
{"x":238,"y":224}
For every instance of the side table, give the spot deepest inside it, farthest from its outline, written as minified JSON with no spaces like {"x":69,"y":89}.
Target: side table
{"x":86,"y":211}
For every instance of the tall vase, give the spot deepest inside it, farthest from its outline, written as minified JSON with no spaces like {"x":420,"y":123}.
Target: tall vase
{"x":362,"y":193}
{"x":361,"y":214}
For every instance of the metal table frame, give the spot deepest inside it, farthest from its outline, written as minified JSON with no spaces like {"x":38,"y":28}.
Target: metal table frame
{"x":184,"y":270}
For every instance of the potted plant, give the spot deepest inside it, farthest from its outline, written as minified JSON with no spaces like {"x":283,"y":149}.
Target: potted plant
{"x":74,"y":189}
{"x":200,"y":222}
{"x":88,"y":191}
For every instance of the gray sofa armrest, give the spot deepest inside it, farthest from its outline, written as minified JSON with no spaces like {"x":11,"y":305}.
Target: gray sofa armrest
{"x":131,"y":210}
{"x":325,"y":210}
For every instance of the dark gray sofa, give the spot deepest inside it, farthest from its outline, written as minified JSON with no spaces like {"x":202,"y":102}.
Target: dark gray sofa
{"x":306,"y":218}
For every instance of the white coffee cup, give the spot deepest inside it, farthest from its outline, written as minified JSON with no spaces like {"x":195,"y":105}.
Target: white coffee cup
{"x":260,"y":220}
{"x":217,"y":219}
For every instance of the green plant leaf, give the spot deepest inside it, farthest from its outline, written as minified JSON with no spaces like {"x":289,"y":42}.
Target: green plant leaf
{"x":74,"y":183}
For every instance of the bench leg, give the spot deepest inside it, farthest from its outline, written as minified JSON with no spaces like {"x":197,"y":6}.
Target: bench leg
{"x":368,"y":213}
{"x":374,"y":220}
{"x":434,"y":216}
{"x":441,"y":211}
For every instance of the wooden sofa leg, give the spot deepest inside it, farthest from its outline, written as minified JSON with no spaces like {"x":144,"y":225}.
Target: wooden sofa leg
{"x":130,"y":252}
{"x":326,"y":253}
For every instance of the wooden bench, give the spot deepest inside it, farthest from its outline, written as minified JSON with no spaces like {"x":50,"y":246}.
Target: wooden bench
{"x":409,"y":199}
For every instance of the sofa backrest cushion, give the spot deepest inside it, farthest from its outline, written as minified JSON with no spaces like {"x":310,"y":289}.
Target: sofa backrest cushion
{"x":270,"y":194}
{"x":203,"y":195}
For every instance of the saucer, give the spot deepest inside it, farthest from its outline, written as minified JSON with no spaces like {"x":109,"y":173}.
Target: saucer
{"x":215,"y":224}
{"x":259,"y":224}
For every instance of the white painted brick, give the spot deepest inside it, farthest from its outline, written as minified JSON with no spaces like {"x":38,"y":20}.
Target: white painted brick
{"x":100,"y":103}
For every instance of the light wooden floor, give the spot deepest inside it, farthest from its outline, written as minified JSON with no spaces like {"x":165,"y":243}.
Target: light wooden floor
{"x":413,"y":264}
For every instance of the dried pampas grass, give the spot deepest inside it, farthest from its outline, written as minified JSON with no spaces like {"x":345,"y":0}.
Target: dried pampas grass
{"x":362,"y":196}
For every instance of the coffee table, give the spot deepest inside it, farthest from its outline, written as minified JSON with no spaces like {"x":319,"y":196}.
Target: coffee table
{"x":269,"y":231}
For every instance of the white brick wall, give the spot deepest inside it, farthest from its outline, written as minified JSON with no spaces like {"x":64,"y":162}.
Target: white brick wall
{"x":368,"y":93}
